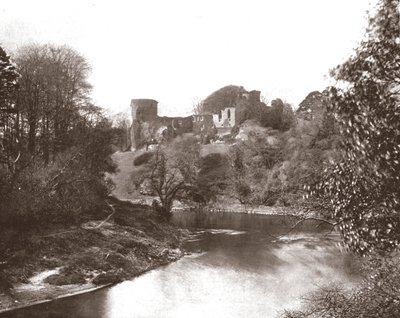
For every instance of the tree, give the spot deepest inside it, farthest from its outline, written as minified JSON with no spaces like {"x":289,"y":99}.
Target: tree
{"x":54,"y":143}
{"x":225,"y":97}
{"x":288,"y":118}
{"x":8,"y":114}
{"x":198,"y":107}
{"x":166,"y":181}
{"x":364,"y":186}
{"x":279,"y":116}
{"x":172,"y":172}
{"x":239,"y":176}
{"x":77,"y":183}
{"x":213,"y":177}
{"x":53,"y":89}
{"x":122,"y":122}
{"x":253,"y":165}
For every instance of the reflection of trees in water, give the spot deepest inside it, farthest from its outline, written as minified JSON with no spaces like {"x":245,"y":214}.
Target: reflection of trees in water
{"x":241,"y":221}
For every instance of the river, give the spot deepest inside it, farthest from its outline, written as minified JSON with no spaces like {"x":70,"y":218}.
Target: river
{"x":241,"y":265}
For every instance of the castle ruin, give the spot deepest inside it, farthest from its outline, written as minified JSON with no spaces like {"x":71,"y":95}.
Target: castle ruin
{"x":148,"y":127}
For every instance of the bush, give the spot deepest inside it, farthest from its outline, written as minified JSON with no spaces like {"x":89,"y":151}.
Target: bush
{"x":64,"y":191}
{"x":143,"y":158}
{"x":377,"y":296}
{"x":213,"y":173}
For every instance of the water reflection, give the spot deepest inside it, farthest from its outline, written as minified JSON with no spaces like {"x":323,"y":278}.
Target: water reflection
{"x":251,"y":270}
{"x":243,"y":221}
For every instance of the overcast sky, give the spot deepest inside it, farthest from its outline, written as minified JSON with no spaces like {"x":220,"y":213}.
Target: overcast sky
{"x":180,"y":51}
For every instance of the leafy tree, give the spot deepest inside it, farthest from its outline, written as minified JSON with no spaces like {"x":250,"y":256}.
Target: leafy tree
{"x":288,"y":118}
{"x":213,"y":176}
{"x":279,"y":116}
{"x":8,"y":80}
{"x":67,"y":189}
{"x":225,"y":97}
{"x":364,"y":186}
{"x":239,"y":176}
{"x":8,"y":118}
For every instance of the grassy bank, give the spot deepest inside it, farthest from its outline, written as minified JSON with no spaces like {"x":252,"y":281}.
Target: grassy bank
{"x":52,"y":261}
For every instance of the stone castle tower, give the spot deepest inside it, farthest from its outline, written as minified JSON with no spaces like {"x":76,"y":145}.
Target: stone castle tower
{"x":143,"y":111}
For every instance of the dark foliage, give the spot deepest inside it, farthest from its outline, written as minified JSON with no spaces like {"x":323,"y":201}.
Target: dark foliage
{"x":364,"y":186}
{"x":54,"y":145}
{"x":227,"y":96}
{"x":376,"y":296}
{"x":143,"y":158}
{"x":213,"y":172}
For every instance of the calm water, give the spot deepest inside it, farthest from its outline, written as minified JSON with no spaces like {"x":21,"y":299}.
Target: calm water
{"x":241,"y":266}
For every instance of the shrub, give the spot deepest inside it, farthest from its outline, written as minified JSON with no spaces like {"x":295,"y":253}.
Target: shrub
{"x":377,"y":296}
{"x":143,"y":158}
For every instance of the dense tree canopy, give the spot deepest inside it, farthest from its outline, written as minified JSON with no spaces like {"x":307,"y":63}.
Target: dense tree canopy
{"x":8,"y":87}
{"x":54,"y":143}
{"x":53,"y":89}
{"x":364,"y":187}
{"x":227,"y":96}
{"x":8,"y":80}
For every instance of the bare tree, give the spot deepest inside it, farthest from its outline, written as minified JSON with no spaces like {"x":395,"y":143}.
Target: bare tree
{"x":166,"y":181}
{"x":172,"y":173}
{"x":122,"y":122}
{"x":198,"y":106}
{"x":52,"y":90}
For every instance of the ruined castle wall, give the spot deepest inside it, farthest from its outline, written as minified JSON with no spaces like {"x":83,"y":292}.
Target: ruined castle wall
{"x":226,"y":118}
{"x":148,"y":127}
{"x":203,"y":124}
{"x":179,"y":125}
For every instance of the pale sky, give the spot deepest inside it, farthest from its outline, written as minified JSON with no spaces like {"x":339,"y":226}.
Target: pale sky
{"x":180,"y":51}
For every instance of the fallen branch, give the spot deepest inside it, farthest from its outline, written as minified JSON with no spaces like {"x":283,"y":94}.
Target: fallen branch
{"x":86,"y":227}
{"x":104,"y":221}
{"x":63,"y":169}
{"x":108,"y":217}
{"x":311,"y":218}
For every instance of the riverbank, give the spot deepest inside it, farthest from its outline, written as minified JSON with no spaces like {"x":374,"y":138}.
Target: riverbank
{"x":52,"y":262}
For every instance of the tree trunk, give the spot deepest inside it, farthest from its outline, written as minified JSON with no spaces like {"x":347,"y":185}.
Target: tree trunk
{"x":32,"y":135}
